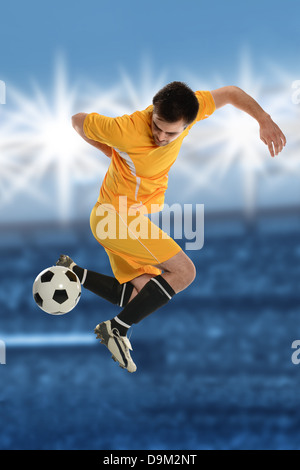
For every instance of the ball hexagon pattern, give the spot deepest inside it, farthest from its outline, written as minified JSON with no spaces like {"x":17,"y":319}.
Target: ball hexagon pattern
{"x":56,"y":290}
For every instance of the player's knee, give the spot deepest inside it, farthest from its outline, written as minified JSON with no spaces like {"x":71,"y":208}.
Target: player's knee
{"x":191,"y":273}
{"x":187,"y":273}
{"x":179,"y":271}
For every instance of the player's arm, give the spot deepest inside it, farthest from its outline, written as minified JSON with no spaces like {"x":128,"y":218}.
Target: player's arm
{"x":270,"y":133}
{"x":77,"y":123}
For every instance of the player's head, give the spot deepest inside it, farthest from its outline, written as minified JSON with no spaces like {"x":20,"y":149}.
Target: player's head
{"x":174,"y":107}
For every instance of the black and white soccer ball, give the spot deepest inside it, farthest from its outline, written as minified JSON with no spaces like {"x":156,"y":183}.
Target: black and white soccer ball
{"x":56,"y":290}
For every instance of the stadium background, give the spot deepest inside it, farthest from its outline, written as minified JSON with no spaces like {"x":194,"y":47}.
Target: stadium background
{"x":214,"y":366}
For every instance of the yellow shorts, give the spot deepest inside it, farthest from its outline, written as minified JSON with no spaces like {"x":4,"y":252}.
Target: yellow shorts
{"x":133,"y":243}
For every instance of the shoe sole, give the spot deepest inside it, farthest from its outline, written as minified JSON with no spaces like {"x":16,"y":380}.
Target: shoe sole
{"x":102,"y":334}
{"x":65,"y":263}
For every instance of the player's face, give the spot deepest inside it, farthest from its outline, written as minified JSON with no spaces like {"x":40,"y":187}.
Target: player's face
{"x":165,"y":132}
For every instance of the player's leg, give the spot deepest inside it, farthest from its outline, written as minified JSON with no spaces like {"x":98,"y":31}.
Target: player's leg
{"x":107,"y":287}
{"x":139,"y":283}
{"x":136,"y":254}
{"x":179,"y":273}
{"x":155,"y":293}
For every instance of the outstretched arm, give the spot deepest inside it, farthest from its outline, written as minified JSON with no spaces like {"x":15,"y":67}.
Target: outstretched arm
{"x":270,"y":133}
{"x":77,"y":123}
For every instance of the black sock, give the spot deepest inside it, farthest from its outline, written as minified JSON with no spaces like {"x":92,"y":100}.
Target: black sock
{"x":156,"y":293}
{"x":105,"y":286}
{"x":121,"y":328}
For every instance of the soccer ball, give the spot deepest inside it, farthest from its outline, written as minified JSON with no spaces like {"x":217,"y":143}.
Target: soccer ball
{"x":56,"y":290}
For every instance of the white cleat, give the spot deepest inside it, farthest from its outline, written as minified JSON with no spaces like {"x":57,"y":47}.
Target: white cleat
{"x":118,"y":345}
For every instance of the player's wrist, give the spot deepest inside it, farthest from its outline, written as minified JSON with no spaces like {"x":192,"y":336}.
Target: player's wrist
{"x":263,"y":118}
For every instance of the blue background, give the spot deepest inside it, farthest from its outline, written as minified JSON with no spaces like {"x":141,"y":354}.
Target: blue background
{"x":214,"y":366}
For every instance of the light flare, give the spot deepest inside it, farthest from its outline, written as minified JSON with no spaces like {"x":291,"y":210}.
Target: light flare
{"x":42,"y":158}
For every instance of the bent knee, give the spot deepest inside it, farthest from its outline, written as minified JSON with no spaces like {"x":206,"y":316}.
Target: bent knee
{"x":186,"y":274}
{"x":189,"y":272}
{"x":179,"y":271}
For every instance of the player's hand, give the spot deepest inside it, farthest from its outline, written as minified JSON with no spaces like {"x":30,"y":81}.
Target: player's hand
{"x":272,"y":136}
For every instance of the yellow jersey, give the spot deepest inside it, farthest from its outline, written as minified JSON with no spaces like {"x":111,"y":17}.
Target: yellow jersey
{"x":139,"y":168}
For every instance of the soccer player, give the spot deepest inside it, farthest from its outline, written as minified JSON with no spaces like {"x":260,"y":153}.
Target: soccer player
{"x":148,"y":269}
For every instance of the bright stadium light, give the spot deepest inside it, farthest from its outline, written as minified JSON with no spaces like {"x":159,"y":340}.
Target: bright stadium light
{"x":43,"y":158}
{"x":230,"y":140}
{"x":38,"y":139}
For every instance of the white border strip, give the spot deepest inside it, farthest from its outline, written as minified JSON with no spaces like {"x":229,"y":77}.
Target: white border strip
{"x":122,"y":296}
{"x":164,"y":290}
{"x":121,"y":322}
{"x":84,"y":277}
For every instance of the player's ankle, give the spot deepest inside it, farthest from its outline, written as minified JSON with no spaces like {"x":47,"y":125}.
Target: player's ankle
{"x":120,"y":326}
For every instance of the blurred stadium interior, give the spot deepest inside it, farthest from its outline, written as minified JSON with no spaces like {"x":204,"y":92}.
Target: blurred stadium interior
{"x":218,"y":360}
{"x":214,"y":366}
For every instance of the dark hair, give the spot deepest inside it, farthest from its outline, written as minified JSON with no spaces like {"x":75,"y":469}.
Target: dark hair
{"x":176,"y":101}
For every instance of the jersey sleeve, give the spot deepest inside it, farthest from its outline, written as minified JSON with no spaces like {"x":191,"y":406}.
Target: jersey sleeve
{"x":206,"y":104}
{"x":107,"y":130}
